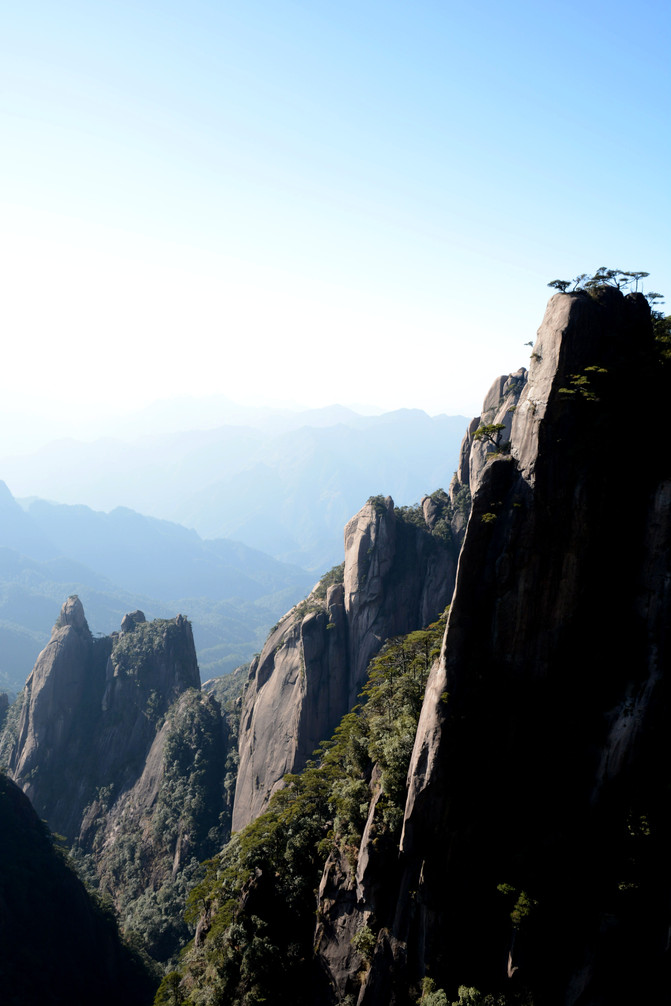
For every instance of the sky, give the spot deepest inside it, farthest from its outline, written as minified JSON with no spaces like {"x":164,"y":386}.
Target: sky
{"x":313,"y":202}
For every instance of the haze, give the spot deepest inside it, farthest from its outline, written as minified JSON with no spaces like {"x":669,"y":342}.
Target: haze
{"x":358,"y":203}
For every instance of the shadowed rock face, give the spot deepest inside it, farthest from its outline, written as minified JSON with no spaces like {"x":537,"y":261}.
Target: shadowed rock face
{"x":58,"y":946}
{"x":90,"y":710}
{"x":541,"y":761}
{"x":534,"y":857}
{"x":397,"y":577}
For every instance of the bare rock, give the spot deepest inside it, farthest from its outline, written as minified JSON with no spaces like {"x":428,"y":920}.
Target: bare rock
{"x":90,"y":710}
{"x":133,"y":618}
{"x":397,"y":577}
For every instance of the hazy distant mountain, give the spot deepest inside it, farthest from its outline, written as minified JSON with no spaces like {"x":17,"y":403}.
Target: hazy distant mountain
{"x":122,"y":560}
{"x":285,"y":483}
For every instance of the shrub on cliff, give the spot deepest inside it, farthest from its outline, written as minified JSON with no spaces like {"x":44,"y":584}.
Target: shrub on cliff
{"x":255,"y":907}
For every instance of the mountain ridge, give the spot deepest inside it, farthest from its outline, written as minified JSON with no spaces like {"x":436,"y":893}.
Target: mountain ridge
{"x":125,"y":560}
{"x":205,"y":479}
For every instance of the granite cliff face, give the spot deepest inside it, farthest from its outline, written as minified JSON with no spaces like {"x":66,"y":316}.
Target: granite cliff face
{"x":537,"y":819}
{"x":90,"y":709}
{"x":397,"y":576}
{"x":120,"y":752}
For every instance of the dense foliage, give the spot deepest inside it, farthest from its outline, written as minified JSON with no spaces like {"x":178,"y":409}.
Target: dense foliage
{"x":154,"y":859}
{"x":257,"y":902}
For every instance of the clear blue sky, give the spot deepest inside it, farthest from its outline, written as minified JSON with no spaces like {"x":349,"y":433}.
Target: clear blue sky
{"x":316,"y":202}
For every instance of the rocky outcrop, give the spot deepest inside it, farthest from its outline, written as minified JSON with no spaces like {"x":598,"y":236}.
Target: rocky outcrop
{"x":90,"y":710}
{"x":537,"y":819}
{"x":121,"y":753}
{"x":397,"y":576}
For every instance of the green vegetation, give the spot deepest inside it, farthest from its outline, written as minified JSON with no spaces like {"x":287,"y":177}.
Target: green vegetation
{"x":473,"y":997}
{"x":662,"y":329}
{"x":617,"y":278}
{"x":364,"y":943}
{"x":10,"y":729}
{"x":334,"y":575}
{"x":523,"y":904}
{"x":489,"y":432}
{"x":441,"y":523}
{"x":134,"y":652}
{"x":431,"y":996}
{"x":582,"y":384}
{"x":256,"y":902}
{"x":153,"y":862}
{"x":316,"y":599}
{"x":625,"y":281}
{"x":379,"y":503}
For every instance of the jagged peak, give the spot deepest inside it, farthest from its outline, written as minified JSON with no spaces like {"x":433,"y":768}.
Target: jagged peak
{"x":132,"y":619}
{"x":72,"y":614}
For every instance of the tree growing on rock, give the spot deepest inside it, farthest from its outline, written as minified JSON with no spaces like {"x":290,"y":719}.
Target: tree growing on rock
{"x":489,"y":432}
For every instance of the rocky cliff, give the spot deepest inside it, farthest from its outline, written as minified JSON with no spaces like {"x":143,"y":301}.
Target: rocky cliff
{"x":537,"y":819}
{"x":120,"y":752}
{"x":91,"y":706}
{"x":497,"y":834}
{"x":398,"y":575}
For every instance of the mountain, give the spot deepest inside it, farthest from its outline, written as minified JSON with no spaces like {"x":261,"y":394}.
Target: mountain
{"x":118,"y":749}
{"x":286,"y":485}
{"x":397,"y":575}
{"x":488,"y":823}
{"x":123,"y":560}
{"x":548,"y":766}
{"x":497,"y":833}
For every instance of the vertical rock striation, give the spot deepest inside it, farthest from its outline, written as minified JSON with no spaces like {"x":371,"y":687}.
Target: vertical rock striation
{"x":121,"y":753}
{"x":537,"y":820}
{"x":90,"y":709}
{"x":397,"y":576}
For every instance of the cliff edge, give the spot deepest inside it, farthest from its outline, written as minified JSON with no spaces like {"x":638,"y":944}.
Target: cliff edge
{"x":536,"y":818}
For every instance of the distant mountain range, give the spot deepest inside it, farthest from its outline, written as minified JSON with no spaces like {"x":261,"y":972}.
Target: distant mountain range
{"x":283,"y":482}
{"x":119,"y":561}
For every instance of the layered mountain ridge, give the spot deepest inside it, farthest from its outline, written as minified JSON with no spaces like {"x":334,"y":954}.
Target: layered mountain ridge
{"x":123,"y":560}
{"x":496,"y":833}
{"x":282,"y":483}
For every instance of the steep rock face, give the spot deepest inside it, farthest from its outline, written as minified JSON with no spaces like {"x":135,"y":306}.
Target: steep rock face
{"x":90,"y":710}
{"x":58,"y":945}
{"x":397,"y":576}
{"x":146,"y":841}
{"x":537,"y":818}
{"x":354,"y":897}
{"x":298,"y":682}
{"x":122,"y":754}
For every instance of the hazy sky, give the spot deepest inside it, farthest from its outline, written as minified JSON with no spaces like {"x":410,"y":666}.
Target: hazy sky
{"x":314,"y":202}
